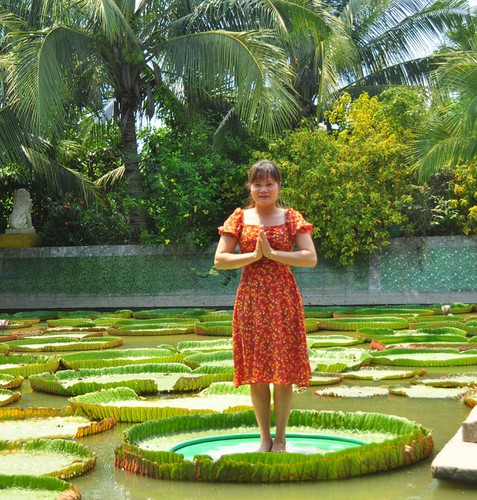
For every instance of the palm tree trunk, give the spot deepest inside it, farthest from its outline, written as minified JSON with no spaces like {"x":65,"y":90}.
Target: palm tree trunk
{"x":136,"y":216}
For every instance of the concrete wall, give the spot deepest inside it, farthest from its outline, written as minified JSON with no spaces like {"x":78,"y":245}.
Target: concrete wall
{"x":409,"y":270}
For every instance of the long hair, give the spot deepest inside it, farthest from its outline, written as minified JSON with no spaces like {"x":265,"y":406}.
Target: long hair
{"x":263,"y":169}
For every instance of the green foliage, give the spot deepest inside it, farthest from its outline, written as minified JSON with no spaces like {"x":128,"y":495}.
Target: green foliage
{"x":464,"y":197}
{"x":72,"y":222}
{"x":191,"y":188}
{"x":348,"y":184}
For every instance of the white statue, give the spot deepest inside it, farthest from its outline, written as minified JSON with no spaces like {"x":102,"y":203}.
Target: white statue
{"x":20,"y":218}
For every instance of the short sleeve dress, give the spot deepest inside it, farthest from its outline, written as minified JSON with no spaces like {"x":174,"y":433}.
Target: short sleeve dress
{"x":269,"y":336}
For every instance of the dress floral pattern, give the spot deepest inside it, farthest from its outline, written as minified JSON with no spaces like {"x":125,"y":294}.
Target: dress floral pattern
{"x":269,"y":336}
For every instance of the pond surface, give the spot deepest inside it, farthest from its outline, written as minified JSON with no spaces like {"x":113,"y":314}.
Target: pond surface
{"x":443,"y":416}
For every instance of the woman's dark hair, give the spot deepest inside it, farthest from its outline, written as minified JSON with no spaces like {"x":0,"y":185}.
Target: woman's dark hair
{"x":264,"y":169}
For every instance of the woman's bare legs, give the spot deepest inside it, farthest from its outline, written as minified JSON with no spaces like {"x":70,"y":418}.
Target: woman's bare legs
{"x":261,"y":405}
{"x":282,"y":401}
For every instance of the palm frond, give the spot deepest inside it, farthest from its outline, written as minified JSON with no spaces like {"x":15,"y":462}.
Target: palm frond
{"x":111,"y":179}
{"x":218,"y":61}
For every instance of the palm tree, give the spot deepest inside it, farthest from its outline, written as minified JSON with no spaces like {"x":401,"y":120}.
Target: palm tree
{"x":70,"y":54}
{"x":393,"y":42}
{"x":450,"y":137}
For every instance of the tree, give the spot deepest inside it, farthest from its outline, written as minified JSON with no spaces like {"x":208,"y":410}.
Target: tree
{"x":70,"y":54}
{"x":393,"y":43}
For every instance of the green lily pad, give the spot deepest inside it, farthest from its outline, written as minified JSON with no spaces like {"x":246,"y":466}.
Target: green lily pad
{"x":39,"y":488}
{"x":144,"y":378}
{"x":24,"y":365}
{"x":332,"y":340}
{"x":197,"y":346}
{"x":457,"y":380}
{"x":54,"y":457}
{"x":8,"y":381}
{"x":126,"y":406}
{"x":337,"y":359}
{"x":8,"y":397}
{"x":120,"y":357}
{"x":318,"y":378}
{"x":424,"y":357}
{"x":406,"y":443}
{"x":422,"y":391}
{"x":62,"y":344}
{"x":352,"y":392}
{"x":382,"y":374}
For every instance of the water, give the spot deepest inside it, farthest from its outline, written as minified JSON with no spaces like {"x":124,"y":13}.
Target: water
{"x":444,"y":417}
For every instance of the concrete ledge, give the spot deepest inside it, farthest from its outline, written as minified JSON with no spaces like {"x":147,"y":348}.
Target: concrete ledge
{"x":456,"y":461}
{"x":469,"y":427}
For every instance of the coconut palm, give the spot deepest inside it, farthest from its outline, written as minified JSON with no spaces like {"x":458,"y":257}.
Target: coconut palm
{"x":78,"y":54}
{"x":450,"y":137}
{"x":393,"y":44}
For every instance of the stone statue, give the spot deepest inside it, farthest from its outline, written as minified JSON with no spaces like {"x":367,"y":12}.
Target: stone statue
{"x":20,"y":218}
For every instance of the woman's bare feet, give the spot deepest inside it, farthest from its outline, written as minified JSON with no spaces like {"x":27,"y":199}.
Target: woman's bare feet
{"x":265,"y":446}
{"x":278,"y":447}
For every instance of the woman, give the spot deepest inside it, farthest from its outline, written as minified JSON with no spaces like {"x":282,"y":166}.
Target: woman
{"x":269,"y":337}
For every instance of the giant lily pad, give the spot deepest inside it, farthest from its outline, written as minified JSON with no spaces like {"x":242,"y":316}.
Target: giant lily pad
{"x":337,"y":359}
{"x":56,"y":457}
{"x":26,"y":424}
{"x":353,"y":324}
{"x":8,"y":397}
{"x":424,"y":357}
{"x":26,"y":365}
{"x":422,"y":391}
{"x":38,"y":488}
{"x":144,"y":378}
{"x":62,"y":344}
{"x":196,"y":346}
{"x":8,"y":381}
{"x":319,"y":378}
{"x":332,"y":340}
{"x":126,"y":406}
{"x":457,"y":380}
{"x":405,"y":443}
{"x":121,"y":357}
{"x":158,"y":329}
{"x":352,"y":392}
{"x":220,"y":328}
{"x":382,"y":374}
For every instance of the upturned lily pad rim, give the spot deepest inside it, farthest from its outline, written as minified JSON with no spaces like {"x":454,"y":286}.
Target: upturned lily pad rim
{"x":411,"y":443}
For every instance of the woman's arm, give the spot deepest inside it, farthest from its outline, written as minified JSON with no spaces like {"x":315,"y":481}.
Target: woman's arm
{"x":305,"y":256}
{"x":225,"y":258}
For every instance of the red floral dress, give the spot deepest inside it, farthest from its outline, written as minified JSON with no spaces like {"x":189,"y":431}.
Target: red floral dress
{"x":269,"y":336}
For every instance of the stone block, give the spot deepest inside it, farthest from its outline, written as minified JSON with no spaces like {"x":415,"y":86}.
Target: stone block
{"x":469,"y":427}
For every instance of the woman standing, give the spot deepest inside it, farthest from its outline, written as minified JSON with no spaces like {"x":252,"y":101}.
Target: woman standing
{"x":269,"y":337}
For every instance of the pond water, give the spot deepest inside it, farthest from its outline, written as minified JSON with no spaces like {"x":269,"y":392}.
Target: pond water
{"x":443,"y":416}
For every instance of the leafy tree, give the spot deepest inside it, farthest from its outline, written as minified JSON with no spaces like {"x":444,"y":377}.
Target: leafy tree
{"x":80,"y":53}
{"x":382,"y":43}
{"x":350,"y":184}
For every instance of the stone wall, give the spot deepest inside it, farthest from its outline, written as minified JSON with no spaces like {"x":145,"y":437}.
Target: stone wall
{"x":409,"y":270}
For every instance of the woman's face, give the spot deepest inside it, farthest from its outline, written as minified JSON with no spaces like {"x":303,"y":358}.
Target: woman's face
{"x":265,"y":191}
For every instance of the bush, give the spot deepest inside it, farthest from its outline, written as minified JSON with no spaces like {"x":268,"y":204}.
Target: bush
{"x":191,"y":188}
{"x":349,"y":184}
{"x":72,"y":223}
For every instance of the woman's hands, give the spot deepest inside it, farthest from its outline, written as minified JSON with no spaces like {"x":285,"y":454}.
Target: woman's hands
{"x":264,"y":243}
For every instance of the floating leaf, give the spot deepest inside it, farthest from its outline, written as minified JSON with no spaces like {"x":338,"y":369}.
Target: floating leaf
{"x":424,"y":357}
{"x":353,"y":324}
{"x":195,"y":346}
{"x":8,"y":397}
{"x":26,"y":365}
{"x":123,"y":357}
{"x":457,"y":380}
{"x":318,"y":378}
{"x":214,"y":328}
{"x":352,"y":392}
{"x":8,"y":381}
{"x":54,"y":457}
{"x":62,"y":344}
{"x":126,"y":406}
{"x":337,"y":359}
{"x":406,"y":443}
{"x":27,"y":427}
{"x":332,"y":340}
{"x":382,"y":374}
{"x":36,"y":487}
{"x":422,"y":391}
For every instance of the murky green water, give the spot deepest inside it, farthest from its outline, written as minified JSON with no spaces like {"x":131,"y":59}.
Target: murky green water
{"x":444,"y":417}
